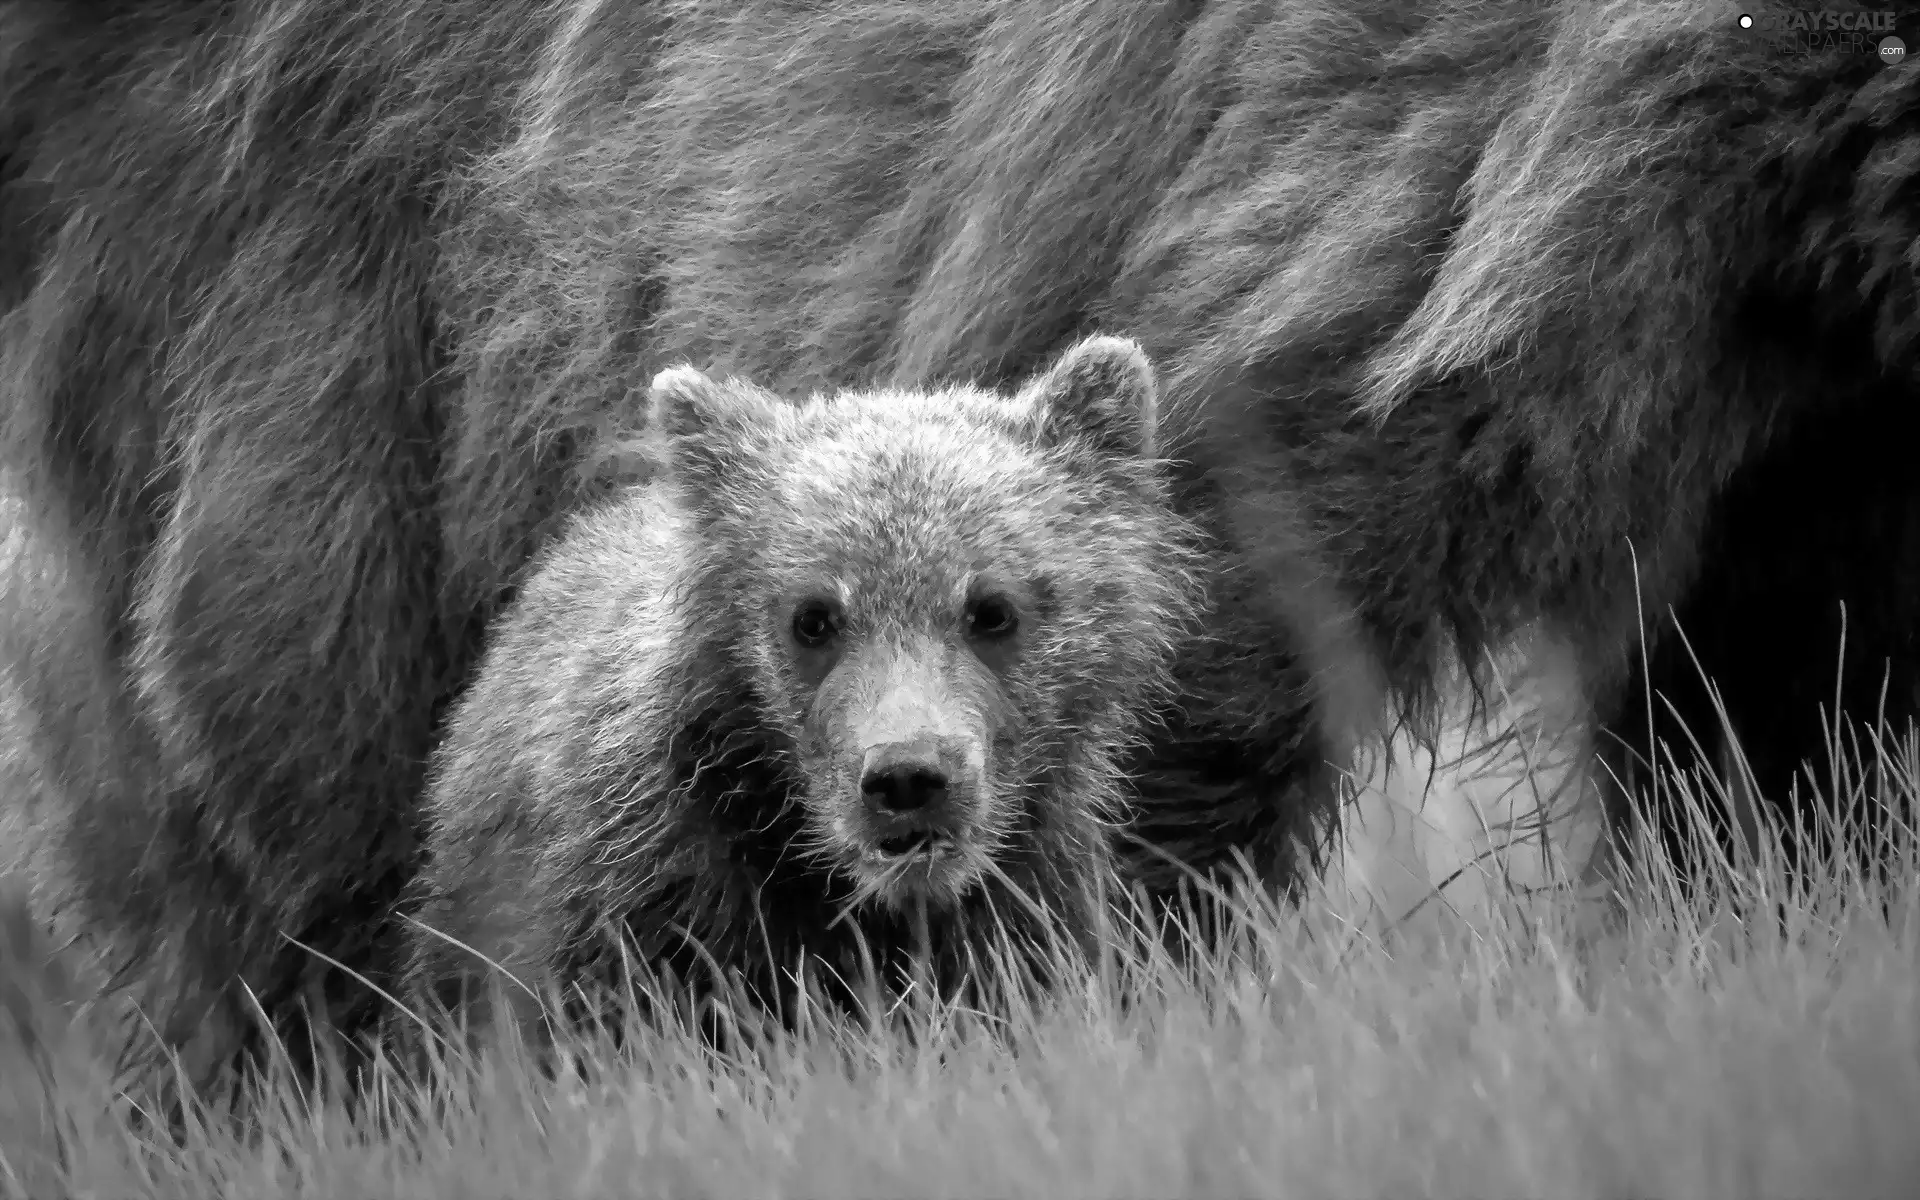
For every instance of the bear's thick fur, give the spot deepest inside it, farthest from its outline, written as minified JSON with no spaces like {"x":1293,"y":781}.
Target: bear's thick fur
{"x":855,"y":671}
{"x":1479,"y":316}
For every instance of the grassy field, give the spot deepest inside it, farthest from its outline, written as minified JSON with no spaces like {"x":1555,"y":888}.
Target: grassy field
{"x":1667,"y":1045}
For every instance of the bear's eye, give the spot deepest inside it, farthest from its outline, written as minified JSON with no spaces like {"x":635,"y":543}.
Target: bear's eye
{"x":992,"y":617}
{"x":814,"y":623}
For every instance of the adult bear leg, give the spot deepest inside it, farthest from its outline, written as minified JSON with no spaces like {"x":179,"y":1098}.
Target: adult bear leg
{"x":248,"y":533}
{"x":67,"y":734}
{"x":80,"y":473}
{"x":291,"y":649}
{"x":80,"y":807}
{"x":1819,"y":536}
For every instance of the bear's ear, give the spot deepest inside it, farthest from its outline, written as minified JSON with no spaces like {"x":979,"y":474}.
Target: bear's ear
{"x":703,"y":424}
{"x":685,"y":403}
{"x":1104,"y":389}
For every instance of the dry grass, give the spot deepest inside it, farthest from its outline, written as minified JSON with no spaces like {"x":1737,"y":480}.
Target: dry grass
{"x":1735,"y":1037}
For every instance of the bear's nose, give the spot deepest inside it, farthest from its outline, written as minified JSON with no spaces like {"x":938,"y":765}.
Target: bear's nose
{"x":903,"y":777}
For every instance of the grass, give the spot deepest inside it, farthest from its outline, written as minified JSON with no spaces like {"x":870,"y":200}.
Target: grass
{"x":1737,"y":1034}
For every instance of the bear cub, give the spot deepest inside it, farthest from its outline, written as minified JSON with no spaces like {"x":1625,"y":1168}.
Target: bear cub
{"x":848,"y":680}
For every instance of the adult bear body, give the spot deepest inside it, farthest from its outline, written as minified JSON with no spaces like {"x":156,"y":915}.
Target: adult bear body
{"x":1486,"y":317}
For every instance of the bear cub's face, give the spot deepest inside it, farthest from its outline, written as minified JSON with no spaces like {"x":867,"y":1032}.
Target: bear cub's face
{"x":951,"y":604}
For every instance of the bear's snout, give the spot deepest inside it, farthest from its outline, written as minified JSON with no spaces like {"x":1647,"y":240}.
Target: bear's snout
{"x":917,"y":791}
{"x":901,"y":778}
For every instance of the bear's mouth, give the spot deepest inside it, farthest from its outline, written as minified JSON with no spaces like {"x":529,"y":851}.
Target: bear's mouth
{"x":916,"y":865}
{"x":918,"y":844}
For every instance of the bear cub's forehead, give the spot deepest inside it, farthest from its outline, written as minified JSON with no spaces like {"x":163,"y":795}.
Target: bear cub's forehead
{"x":964,"y":456}
{"x":899,"y":504}
{"x":908,"y":522}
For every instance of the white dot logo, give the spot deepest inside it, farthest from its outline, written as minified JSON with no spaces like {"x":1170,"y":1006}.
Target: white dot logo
{"x":1746,"y":21}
